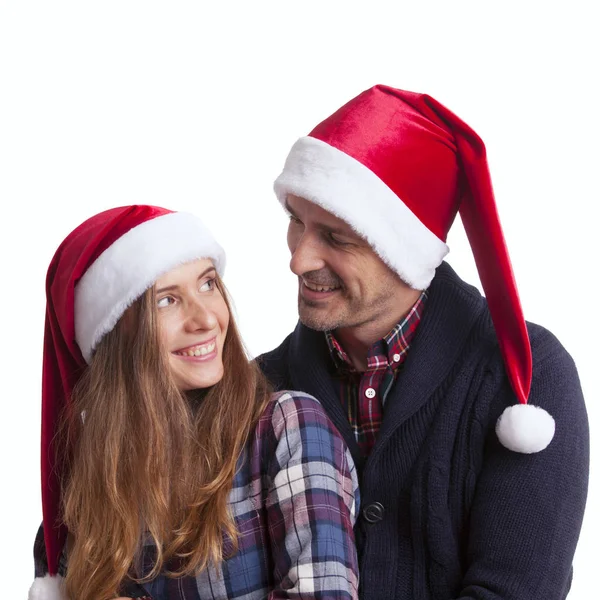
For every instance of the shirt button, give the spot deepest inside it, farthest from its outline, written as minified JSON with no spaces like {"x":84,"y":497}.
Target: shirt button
{"x":396,"y":357}
{"x":370,"y":393}
{"x":373,"y":513}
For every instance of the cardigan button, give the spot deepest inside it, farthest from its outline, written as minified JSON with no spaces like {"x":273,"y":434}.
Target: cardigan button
{"x":373,"y":513}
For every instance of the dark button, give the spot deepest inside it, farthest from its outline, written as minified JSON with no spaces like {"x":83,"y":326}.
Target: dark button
{"x":373,"y":512}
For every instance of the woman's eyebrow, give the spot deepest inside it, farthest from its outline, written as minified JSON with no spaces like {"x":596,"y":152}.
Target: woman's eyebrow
{"x":170,"y":288}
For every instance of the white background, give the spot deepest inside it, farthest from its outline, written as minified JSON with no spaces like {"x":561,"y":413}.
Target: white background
{"x":194,"y":105}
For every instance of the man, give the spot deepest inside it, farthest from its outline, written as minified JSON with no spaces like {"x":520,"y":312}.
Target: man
{"x":467,"y":425}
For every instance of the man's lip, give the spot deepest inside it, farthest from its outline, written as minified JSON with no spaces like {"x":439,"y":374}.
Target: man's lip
{"x":309,"y":294}
{"x":337,"y":286}
{"x":206,"y":343}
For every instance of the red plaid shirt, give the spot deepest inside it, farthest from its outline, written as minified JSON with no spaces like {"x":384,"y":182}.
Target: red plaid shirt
{"x":363,"y":394}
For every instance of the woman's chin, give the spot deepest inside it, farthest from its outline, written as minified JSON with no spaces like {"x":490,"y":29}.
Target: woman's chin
{"x":186,"y":383}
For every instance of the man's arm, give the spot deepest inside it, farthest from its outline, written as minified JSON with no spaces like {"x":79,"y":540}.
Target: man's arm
{"x":528,"y":509}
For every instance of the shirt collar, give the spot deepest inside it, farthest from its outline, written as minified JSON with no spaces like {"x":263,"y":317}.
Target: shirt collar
{"x":393,"y":346}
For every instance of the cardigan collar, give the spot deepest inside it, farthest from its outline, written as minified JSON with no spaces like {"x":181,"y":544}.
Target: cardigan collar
{"x":453,"y":308}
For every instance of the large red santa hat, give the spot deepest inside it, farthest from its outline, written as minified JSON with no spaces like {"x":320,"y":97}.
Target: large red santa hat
{"x":98,"y":271}
{"x":398,"y":166}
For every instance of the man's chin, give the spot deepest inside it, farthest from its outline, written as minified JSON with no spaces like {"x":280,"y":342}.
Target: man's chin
{"x":315,"y":319}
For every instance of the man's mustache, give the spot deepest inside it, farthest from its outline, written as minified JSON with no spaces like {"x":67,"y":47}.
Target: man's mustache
{"x":323,"y":277}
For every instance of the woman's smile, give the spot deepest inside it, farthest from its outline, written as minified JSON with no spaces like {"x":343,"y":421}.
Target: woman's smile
{"x":199,"y":352}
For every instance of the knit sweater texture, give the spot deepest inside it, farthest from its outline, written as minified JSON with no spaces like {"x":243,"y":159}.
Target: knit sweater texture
{"x":447,"y":511}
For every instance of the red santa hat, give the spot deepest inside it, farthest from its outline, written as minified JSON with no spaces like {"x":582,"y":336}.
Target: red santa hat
{"x":398,"y":166}
{"x":98,"y":271}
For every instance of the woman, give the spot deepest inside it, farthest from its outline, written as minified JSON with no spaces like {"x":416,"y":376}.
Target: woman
{"x":169,"y":469}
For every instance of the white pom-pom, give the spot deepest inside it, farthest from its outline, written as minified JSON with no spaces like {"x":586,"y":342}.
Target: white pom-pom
{"x":47,"y":588}
{"x":525,"y":428}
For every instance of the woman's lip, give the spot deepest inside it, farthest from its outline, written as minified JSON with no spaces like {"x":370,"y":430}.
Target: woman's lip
{"x":201,"y":358}
{"x":199,"y":345}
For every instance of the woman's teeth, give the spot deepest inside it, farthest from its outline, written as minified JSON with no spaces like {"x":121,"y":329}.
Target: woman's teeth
{"x":197,"y":350}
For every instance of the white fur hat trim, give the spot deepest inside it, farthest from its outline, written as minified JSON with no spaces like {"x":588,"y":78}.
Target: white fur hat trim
{"x":47,"y":588}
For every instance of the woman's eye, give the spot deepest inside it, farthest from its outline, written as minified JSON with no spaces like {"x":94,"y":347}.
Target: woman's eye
{"x":165,"y":301}
{"x":207,"y":286}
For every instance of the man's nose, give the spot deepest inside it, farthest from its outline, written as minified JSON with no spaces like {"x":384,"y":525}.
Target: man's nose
{"x":306,"y":255}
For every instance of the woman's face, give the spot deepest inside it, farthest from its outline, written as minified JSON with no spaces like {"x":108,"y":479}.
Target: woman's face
{"x":193,"y":320}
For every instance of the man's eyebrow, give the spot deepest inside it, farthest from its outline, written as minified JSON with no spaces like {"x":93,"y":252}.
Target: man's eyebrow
{"x":348,"y":231}
{"x":170,"y":288}
{"x":288,"y":208}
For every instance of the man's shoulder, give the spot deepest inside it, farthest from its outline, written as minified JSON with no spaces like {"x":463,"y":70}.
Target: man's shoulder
{"x":544,"y":344}
{"x":274,"y":364}
{"x":276,"y":353}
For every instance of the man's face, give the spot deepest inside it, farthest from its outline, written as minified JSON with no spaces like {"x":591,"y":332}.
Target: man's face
{"x":342,"y":281}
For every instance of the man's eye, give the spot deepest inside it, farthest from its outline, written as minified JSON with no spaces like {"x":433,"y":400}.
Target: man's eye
{"x":337,"y":240}
{"x":165,"y":301}
{"x":296,"y":220}
{"x":207,"y":286}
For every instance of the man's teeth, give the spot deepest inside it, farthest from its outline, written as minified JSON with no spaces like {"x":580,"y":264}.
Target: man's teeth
{"x":198,"y":350}
{"x":320,"y":288}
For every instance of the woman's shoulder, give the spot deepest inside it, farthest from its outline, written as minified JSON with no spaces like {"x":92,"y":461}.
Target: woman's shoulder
{"x":293,"y":410}
{"x":295,"y":433}
{"x":296,"y":398}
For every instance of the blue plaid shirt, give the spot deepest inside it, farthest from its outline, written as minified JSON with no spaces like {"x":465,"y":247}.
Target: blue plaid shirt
{"x":295,"y":502}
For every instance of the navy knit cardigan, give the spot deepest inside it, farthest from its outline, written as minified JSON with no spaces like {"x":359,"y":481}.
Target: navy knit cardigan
{"x":449,"y":513}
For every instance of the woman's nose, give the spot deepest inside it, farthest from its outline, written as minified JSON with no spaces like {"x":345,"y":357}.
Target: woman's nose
{"x":200,"y":316}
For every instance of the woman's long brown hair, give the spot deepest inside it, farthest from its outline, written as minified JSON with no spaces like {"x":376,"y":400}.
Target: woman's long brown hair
{"x":149,"y":461}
